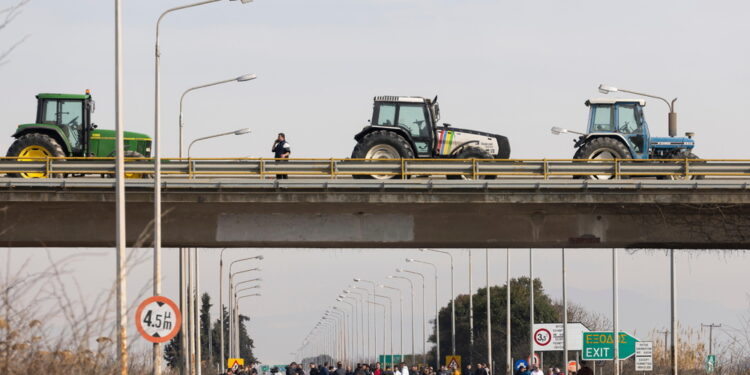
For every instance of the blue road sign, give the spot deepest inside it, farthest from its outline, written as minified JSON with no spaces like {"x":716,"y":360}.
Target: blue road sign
{"x":519,"y":363}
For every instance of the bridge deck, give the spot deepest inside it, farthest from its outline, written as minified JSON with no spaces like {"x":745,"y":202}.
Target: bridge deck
{"x":397,"y":213}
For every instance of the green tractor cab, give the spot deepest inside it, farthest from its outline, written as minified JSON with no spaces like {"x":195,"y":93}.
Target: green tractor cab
{"x":63,"y":128}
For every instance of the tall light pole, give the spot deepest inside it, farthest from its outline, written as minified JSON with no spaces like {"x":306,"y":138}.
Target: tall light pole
{"x":358,"y":302}
{"x":508,"y":361}
{"x":672,"y":117}
{"x":232,"y":323}
{"x":156,"y":151}
{"x":375,"y":303}
{"x":489,"y":311}
{"x":565,"y":309}
{"x":237,"y":318}
{"x":243,"y":78}
{"x":390,"y":320}
{"x":615,"y":315}
{"x":121,"y":309}
{"x":365,"y":307}
{"x":453,"y":300}
{"x":401,"y":313}
{"x":374,"y":327}
{"x":531,"y":308}
{"x":437,"y":309}
{"x":411,"y":286}
{"x":221,"y":298}
{"x":424,"y":313}
{"x":346,"y":340}
{"x":372,"y":283}
{"x":673,"y":312}
{"x":471,"y":312}
{"x":353,"y":331}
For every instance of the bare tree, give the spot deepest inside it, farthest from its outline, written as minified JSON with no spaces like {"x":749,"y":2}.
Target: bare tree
{"x":7,"y":15}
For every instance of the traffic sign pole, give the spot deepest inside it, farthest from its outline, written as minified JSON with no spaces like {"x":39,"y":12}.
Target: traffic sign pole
{"x":531,"y":302}
{"x":616,"y":330}
{"x":565,"y":309}
{"x":673,"y":281}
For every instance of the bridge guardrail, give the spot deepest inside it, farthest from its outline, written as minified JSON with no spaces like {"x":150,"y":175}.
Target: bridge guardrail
{"x":404,"y":168}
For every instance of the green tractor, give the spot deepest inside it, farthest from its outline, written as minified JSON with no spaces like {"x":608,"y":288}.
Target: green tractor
{"x":63,"y":128}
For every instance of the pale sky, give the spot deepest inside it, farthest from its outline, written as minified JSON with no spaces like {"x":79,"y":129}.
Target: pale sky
{"x":513,"y":68}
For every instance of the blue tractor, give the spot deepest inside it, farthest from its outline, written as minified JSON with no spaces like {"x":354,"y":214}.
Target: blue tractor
{"x":617,"y":129}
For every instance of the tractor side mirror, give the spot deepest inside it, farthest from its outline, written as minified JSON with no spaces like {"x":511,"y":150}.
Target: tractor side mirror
{"x":447,"y":125}
{"x":94,"y":126}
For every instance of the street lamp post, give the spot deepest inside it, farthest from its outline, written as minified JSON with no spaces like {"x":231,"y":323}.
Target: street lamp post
{"x":372,"y":283}
{"x":453,"y":301}
{"x":120,"y":239}
{"x":364,"y":307}
{"x":374,"y":303}
{"x":401,"y":313}
{"x":390,"y":321}
{"x":437,"y":309}
{"x":344,"y":352}
{"x":243,"y":78}
{"x":156,"y":151}
{"x":411,"y":285}
{"x":361,"y":336}
{"x":232,"y":323}
{"x":237,"y":318}
{"x":352,"y":329}
{"x":424,"y":314}
{"x":374,"y":337}
{"x":221,"y":298}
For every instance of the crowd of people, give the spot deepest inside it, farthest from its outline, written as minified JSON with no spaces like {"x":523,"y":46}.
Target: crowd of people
{"x":400,"y":369}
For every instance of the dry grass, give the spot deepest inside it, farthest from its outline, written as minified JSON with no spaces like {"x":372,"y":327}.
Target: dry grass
{"x":47,"y":324}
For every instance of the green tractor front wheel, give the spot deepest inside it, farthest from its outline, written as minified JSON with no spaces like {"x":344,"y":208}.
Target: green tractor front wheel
{"x":34,"y":147}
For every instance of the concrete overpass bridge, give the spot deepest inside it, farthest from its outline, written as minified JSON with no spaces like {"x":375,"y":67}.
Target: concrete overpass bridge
{"x":330,"y":213}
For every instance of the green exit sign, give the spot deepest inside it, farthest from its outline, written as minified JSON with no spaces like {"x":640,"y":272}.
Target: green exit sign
{"x":599,"y":346}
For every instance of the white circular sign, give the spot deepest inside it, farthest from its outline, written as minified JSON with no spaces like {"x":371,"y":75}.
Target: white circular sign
{"x":158,"y":319}
{"x":542,"y":337}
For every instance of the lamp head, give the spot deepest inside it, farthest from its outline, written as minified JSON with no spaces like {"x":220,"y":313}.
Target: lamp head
{"x":558,"y":130}
{"x":604,"y":89}
{"x":399,"y":270}
{"x":259,"y":257}
{"x":357,"y":279}
{"x":409,"y":260}
{"x":241,"y":132}
{"x":246,"y":77}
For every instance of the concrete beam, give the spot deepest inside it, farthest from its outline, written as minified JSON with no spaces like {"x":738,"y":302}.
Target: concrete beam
{"x":391,"y":216}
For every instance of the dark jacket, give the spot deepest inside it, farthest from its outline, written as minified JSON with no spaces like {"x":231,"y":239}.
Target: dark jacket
{"x":280,"y":148}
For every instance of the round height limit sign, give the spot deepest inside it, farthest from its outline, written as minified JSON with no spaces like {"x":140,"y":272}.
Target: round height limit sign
{"x":542,"y":337}
{"x":158,"y":319}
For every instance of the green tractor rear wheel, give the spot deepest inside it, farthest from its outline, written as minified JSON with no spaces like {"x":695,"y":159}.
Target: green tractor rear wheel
{"x":35,"y":147}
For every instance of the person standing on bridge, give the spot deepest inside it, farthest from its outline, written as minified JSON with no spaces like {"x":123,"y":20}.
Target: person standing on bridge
{"x":281,"y":150}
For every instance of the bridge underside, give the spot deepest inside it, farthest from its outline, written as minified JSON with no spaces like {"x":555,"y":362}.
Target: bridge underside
{"x":400,"y":215}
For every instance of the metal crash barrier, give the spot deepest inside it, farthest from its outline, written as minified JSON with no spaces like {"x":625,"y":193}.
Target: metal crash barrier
{"x":399,"y":168}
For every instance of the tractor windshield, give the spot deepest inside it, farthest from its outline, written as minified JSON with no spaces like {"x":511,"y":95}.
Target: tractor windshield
{"x":68,"y":115}
{"x":412,"y":118}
